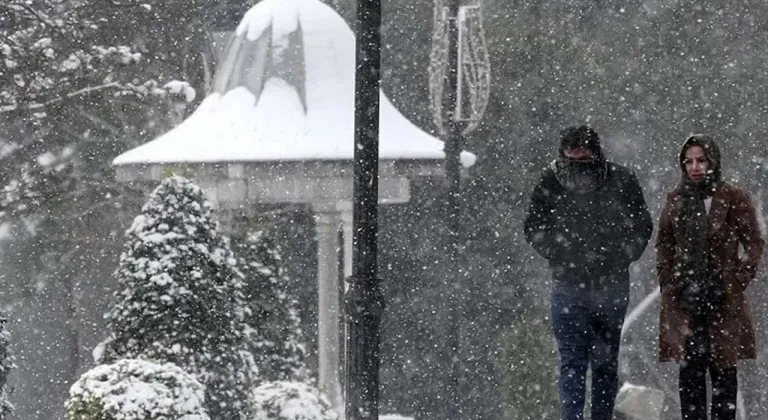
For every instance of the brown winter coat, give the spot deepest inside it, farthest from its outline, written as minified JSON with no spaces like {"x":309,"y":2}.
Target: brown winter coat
{"x":732,"y":222}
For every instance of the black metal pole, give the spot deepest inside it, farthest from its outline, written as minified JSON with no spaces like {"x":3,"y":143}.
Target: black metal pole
{"x":342,"y":319}
{"x":452,"y":148}
{"x":364,"y":302}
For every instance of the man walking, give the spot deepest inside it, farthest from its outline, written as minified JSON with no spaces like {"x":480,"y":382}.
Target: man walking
{"x":589,"y":219}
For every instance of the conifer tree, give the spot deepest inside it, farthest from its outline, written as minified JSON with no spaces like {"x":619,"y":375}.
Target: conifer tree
{"x":180,"y":298}
{"x":277,"y":344}
{"x":6,"y":365}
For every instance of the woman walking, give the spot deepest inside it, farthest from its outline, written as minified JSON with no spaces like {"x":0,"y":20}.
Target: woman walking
{"x":705,"y":324}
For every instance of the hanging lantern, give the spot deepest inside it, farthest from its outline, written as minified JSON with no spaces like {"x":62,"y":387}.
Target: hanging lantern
{"x":474,"y":68}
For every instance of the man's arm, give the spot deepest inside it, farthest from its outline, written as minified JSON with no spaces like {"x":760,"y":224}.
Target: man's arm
{"x":539,"y":224}
{"x":639,"y":221}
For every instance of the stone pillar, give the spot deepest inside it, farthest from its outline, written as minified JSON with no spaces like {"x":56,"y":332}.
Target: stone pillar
{"x":329,"y":371}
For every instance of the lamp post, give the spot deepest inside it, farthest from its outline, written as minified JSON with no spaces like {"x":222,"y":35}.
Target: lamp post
{"x":364,"y":301}
{"x":452,"y":147}
{"x":460,"y":87}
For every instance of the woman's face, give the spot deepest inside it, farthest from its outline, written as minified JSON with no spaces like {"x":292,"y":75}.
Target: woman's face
{"x":696,"y":163}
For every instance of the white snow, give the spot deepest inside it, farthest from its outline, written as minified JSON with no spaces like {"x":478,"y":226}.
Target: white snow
{"x":181,"y":88}
{"x":282,"y":400}
{"x":640,"y":402}
{"x":46,"y":159}
{"x":272,"y":125}
{"x":71,"y":63}
{"x":133,"y":389}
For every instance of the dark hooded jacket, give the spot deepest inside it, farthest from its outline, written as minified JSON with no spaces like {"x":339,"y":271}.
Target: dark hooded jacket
{"x":730,"y":223}
{"x":587,"y":233}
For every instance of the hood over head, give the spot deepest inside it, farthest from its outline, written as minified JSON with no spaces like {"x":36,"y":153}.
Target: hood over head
{"x":580,"y":175}
{"x":711,"y":151}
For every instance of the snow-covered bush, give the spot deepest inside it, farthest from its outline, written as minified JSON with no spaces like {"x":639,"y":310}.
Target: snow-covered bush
{"x":283,"y":400}
{"x":180,"y":298}
{"x":277,"y":341}
{"x":132,"y":389}
{"x":6,"y":364}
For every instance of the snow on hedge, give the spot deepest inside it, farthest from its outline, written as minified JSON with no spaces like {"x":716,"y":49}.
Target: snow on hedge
{"x":133,"y":389}
{"x":180,"y":298}
{"x":282,"y":400}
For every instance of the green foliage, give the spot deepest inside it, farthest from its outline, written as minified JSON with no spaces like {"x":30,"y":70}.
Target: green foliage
{"x":528,"y":366}
{"x":277,"y":342}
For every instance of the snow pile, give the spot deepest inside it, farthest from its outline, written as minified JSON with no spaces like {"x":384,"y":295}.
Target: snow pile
{"x":133,"y":389}
{"x":290,"y":401}
{"x":639,"y":402}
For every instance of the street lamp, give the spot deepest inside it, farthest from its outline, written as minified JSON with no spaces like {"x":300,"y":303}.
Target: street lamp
{"x":459,"y":82}
{"x":364,"y":301}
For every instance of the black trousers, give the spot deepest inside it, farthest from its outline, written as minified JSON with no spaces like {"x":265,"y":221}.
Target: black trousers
{"x":693,"y":379}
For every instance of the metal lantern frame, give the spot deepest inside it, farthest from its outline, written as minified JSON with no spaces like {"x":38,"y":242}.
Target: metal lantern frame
{"x":474,"y":68}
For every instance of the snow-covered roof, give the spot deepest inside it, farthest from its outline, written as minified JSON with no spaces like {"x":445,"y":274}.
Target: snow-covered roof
{"x":285,"y":91}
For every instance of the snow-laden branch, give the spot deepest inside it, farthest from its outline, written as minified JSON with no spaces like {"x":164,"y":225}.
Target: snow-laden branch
{"x":83,"y":91}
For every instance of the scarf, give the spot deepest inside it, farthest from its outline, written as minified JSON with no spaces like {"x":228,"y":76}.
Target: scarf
{"x":698,"y":286}
{"x":580,"y":176}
